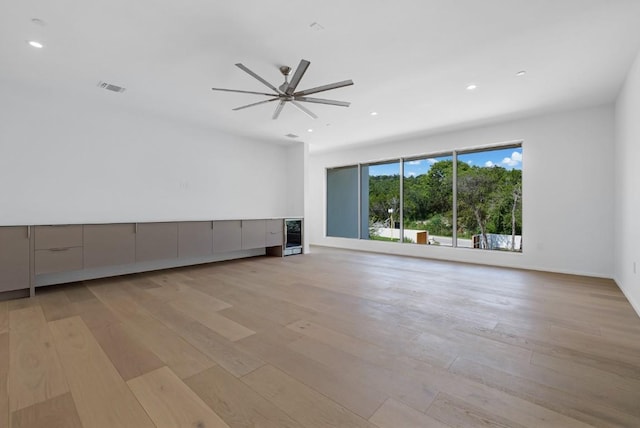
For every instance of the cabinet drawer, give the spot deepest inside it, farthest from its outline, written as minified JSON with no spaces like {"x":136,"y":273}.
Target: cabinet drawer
{"x":48,"y":237}
{"x":275,"y":233}
{"x":58,"y":260}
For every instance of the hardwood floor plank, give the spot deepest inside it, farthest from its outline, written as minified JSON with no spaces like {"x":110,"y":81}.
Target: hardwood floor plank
{"x":458,"y":413}
{"x":190,"y":298}
{"x":181,"y":357}
{"x":222,"y":325}
{"x":236,"y":403}
{"x":79,"y":293}
{"x":576,"y":404}
{"x":305,"y":405}
{"x":202,"y":308}
{"x":94,"y":313}
{"x":390,"y":377}
{"x":26,"y":302}
{"x":4,"y":317}
{"x":274,"y":310}
{"x":492,"y":400}
{"x":4,"y":375}
{"x":357,"y":396}
{"x":125,"y":307}
{"x":220,"y":350}
{"x":128,"y":356}
{"x":57,"y":412}
{"x":170,"y":403}
{"x":35,"y":373}
{"x":55,"y":304}
{"x":394,"y":414}
{"x":537,"y":339}
{"x":101,"y":396}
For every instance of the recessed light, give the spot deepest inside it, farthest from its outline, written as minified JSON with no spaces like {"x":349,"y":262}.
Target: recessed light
{"x":521,"y":73}
{"x":471,"y":87}
{"x":309,"y":130}
{"x":35,"y":44}
{"x":374,"y":113}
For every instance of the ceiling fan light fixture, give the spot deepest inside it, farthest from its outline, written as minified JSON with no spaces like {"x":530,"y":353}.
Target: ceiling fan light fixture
{"x":287,"y":93}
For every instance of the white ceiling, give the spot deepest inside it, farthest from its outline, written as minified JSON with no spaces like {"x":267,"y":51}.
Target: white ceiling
{"x":410,"y":59}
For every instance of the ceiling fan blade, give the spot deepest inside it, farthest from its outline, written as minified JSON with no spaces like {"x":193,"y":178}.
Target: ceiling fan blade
{"x":258,"y":103}
{"x":244,"y":92}
{"x":323,"y":101}
{"x":278,"y":109}
{"x":324,"y":88}
{"x":255,"y":76}
{"x":302,"y":68}
{"x":304,"y":109}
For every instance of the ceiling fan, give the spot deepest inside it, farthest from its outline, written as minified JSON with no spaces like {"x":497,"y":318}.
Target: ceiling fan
{"x":287,"y":91}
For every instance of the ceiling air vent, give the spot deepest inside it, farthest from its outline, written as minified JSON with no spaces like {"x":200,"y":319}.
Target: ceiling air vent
{"x":110,"y":87}
{"x":292,"y":135}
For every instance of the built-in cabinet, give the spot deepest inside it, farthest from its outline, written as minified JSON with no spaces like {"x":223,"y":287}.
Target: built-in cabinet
{"x":109,"y":245}
{"x":14,"y":258}
{"x":58,"y":249}
{"x":274,"y":233}
{"x":227,"y":236}
{"x":254,"y":234}
{"x":156,"y":241}
{"x":44,"y":255}
{"x":195,"y":239}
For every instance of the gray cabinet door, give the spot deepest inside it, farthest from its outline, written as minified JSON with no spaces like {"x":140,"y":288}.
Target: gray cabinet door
{"x":156,"y":241}
{"x":195,"y":239}
{"x":275,"y":233}
{"x":254,"y":234}
{"x":14,"y":258}
{"x":109,"y":245}
{"x":227,"y":236}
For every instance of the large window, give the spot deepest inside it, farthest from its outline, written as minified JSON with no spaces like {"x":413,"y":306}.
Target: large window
{"x":470,"y":198}
{"x":428,"y":200}
{"x":381,"y":201}
{"x":489,"y":190}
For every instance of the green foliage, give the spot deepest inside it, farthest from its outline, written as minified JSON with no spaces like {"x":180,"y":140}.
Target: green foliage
{"x":384,"y":194}
{"x":489,"y":200}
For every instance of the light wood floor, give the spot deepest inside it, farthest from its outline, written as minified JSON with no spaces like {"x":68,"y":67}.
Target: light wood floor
{"x":330,"y":339}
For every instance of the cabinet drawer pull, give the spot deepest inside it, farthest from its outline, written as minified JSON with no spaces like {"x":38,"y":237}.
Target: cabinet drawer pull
{"x":59,"y":249}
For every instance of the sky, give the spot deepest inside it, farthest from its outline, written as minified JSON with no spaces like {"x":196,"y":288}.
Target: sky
{"x":510,"y":158}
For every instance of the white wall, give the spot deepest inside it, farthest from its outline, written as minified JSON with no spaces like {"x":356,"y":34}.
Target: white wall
{"x":296,"y":173}
{"x":567,"y":191}
{"x":80,"y":160}
{"x":627,"y":187}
